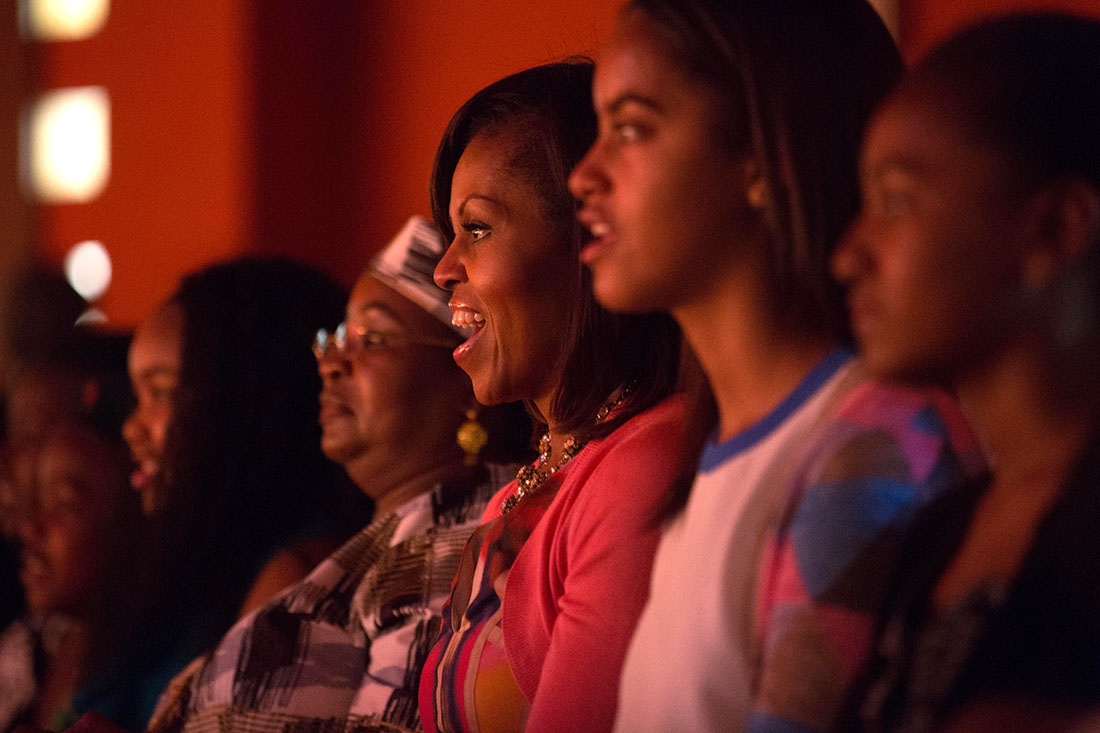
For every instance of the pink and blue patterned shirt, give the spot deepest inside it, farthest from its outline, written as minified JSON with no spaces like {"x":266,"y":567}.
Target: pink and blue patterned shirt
{"x":766,"y":587}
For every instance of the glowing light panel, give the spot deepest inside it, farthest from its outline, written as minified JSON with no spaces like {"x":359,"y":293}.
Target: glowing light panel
{"x":88,"y":269}
{"x":62,"y":20}
{"x":69,"y":146}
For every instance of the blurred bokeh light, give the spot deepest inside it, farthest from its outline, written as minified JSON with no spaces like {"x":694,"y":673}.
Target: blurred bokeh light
{"x":67,"y":145}
{"x":62,"y":20}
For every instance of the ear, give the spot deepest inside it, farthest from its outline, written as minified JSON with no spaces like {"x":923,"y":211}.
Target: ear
{"x":756,"y":188}
{"x":1066,"y":219}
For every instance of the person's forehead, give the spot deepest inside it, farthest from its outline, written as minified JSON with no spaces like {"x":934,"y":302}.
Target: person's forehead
{"x":906,"y":133}
{"x":158,"y":339}
{"x":372,"y":297}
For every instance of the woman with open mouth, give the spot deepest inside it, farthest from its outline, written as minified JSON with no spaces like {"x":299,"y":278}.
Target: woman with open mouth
{"x":552,"y":582}
{"x":723,"y":177}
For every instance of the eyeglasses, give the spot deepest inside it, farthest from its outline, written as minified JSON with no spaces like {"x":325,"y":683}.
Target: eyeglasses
{"x":367,"y":339}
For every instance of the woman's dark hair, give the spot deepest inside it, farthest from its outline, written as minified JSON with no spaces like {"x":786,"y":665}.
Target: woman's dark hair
{"x":549,"y":109}
{"x":799,"y":79}
{"x":242,"y":473}
{"x":1027,"y":88}
{"x":1027,"y":85}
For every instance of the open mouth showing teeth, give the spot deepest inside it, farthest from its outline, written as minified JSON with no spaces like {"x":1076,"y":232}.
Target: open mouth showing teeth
{"x":467,"y":318}
{"x":599,"y":228}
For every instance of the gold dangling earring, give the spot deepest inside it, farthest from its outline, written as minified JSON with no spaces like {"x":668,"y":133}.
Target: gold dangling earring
{"x":472,"y":437}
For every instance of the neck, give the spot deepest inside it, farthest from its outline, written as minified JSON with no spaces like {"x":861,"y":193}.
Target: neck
{"x":751,"y":363}
{"x":1033,"y":420}
{"x":392,"y":486}
{"x":557,"y":437}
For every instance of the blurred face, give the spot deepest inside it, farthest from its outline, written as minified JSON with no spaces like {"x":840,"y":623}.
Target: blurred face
{"x":389,"y":398}
{"x":932,"y":262}
{"x":37,"y":399}
{"x":16,"y":479}
{"x":662,"y":190}
{"x":71,"y":485}
{"x":154,"y":364}
{"x":512,"y":278}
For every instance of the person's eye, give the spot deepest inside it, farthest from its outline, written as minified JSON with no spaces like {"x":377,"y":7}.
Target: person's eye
{"x":893,"y":202}
{"x":63,"y":499}
{"x":374,"y":339}
{"x":162,"y":395}
{"x":377,"y":339}
{"x":629,"y":131}
{"x":476,"y":229}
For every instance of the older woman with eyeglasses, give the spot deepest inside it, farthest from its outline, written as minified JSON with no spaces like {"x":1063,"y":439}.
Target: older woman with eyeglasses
{"x":343,"y":648}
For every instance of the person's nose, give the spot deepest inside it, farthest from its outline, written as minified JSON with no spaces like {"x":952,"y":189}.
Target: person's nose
{"x":332,"y":364}
{"x":133,"y":429}
{"x":451,"y":270}
{"x":588,"y":176}
{"x":852,"y":257}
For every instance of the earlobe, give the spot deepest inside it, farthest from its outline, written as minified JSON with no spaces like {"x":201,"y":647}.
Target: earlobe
{"x":756,"y":188}
{"x":1067,"y":230}
{"x":758,"y":194}
{"x":1081,"y":217}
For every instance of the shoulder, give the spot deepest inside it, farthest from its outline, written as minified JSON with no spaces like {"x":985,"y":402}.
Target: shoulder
{"x":629,"y":472}
{"x":881,"y":453}
{"x":286,"y":567}
{"x":889,"y":432}
{"x":655,"y":432}
{"x":906,"y":412}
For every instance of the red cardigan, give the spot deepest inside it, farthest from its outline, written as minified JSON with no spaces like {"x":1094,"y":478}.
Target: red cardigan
{"x":572,"y":595}
{"x":578,"y":586}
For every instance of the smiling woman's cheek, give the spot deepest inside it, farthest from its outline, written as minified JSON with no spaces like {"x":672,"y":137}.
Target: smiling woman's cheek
{"x":517,"y":276}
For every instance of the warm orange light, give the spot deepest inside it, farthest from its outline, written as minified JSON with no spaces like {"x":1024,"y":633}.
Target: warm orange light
{"x":88,"y":269}
{"x":62,"y":20}
{"x":67,"y":145}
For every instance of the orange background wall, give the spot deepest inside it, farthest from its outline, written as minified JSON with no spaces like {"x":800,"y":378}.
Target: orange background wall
{"x":304,"y":128}
{"x":178,"y":76}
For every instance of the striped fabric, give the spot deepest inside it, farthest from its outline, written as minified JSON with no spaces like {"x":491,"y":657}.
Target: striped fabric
{"x":341,"y":650}
{"x":473,"y":685}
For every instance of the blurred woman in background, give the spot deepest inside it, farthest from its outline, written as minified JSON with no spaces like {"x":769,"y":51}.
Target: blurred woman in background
{"x":67,"y":500}
{"x":240,"y":500}
{"x":975,"y":264}
{"x":343,"y":649}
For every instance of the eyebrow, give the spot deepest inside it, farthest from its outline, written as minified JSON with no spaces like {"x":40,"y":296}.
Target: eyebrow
{"x":376,"y":305}
{"x":471,"y":197}
{"x":157,"y":370}
{"x":906,"y":164}
{"x":633,"y":97}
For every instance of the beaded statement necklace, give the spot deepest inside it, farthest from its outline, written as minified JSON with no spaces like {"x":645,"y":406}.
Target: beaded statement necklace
{"x":534,"y":475}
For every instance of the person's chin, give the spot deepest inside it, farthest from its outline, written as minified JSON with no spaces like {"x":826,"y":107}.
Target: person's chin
{"x":890,"y":366}
{"x":38,"y":596}
{"x":488,"y":392}
{"x":617,"y":292}
{"x":336,"y":450}
{"x":341,"y":445}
